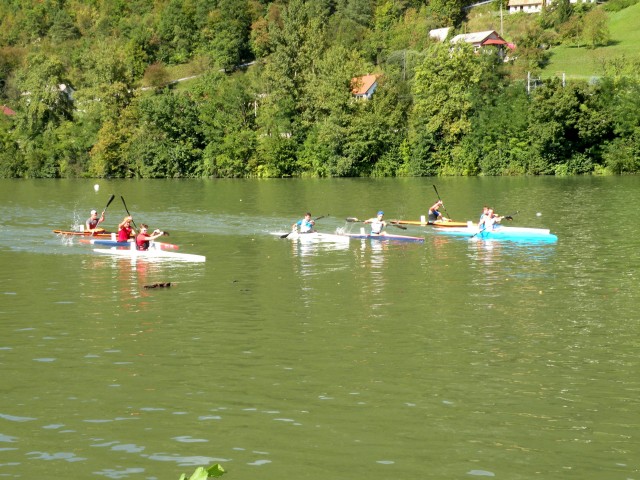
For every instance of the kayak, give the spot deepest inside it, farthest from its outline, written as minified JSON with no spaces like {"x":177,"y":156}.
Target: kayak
{"x":151,"y":254}
{"x":316,"y":237}
{"x":385,"y":236}
{"x":115,"y":243}
{"x":503,"y":233}
{"x":97,"y":233}
{"x":423,"y":223}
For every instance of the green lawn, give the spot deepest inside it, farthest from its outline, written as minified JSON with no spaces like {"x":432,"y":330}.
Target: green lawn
{"x":585,"y":63}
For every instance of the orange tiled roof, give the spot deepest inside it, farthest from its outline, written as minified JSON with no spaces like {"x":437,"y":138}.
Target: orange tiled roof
{"x":361,"y":85}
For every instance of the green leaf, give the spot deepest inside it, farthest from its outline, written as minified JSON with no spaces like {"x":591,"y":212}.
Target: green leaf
{"x":216,"y":470}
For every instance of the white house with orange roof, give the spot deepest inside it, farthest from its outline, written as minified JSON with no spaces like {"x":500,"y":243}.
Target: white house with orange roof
{"x":363,"y":87}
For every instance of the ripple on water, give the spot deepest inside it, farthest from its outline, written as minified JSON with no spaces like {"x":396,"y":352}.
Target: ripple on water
{"x":66,"y":456}
{"x":111,"y":473}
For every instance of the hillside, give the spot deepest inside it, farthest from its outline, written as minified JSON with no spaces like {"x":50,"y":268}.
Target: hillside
{"x":582,"y":62}
{"x":575,"y":62}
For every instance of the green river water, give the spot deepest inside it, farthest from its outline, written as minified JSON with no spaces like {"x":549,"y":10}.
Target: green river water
{"x":450,"y":359}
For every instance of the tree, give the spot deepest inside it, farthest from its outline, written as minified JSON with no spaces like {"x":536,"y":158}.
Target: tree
{"x":567,"y":122}
{"x":63,"y":27}
{"x":227,"y":106}
{"x":46,"y":98}
{"x":177,"y":31}
{"x":449,"y":12}
{"x":497,"y":143}
{"x":448,"y":86}
{"x":227,"y":32}
{"x":596,"y":28}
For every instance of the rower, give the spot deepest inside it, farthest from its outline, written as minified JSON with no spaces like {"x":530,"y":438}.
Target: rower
{"x":143,"y":239}
{"x":377,"y":224}
{"x":304,"y":225}
{"x":93,"y":221}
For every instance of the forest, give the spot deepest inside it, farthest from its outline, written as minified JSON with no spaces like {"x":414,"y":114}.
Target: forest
{"x":256,"y":88}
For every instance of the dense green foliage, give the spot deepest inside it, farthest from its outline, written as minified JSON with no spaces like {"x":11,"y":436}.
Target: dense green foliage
{"x":94,"y":87}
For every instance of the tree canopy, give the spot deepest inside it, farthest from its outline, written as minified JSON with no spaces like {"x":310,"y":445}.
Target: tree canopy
{"x":98,"y":91}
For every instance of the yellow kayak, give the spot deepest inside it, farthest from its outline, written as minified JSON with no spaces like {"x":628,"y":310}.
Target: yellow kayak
{"x":423,"y":223}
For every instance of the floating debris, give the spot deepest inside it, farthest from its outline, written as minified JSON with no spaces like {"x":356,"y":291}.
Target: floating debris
{"x":158,"y":285}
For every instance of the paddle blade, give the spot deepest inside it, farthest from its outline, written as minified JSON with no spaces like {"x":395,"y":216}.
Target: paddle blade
{"x":109,"y":202}
{"x":351,"y":219}
{"x":401,"y":227}
{"x":285,"y":235}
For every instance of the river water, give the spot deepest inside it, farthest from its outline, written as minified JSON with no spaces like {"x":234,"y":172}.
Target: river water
{"x":450,"y":359}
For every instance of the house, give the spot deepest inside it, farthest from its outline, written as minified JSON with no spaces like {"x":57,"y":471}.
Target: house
{"x":363,"y":87}
{"x":439,"y":34}
{"x":535,"y":6}
{"x":480,"y":39}
{"x":526,"y":6}
{"x":7,"y":111}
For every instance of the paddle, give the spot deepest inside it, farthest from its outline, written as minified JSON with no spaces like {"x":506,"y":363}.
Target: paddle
{"x":128,"y":213}
{"x":510,"y":217}
{"x":479,"y":231}
{"x":391,"y":222}
{"x":108,"y":203}
{"x":315,"y":220}
{"x":134,"y":223}
{"x":443,"y":207}
{"x":95,"y":230}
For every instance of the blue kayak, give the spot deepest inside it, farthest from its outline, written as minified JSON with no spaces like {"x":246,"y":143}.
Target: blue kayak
{"x":115,"y":243}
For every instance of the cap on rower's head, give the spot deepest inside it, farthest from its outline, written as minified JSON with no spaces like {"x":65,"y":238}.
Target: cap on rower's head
{"x":380,"y":212}
{"x":94,"y":212}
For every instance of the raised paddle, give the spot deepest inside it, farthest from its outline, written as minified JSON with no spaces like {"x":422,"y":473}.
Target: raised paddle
{"x":134,"y":223}
{"x":108,"y":203}
{"x":444,"y":208}
{"x":95,"y":230}
{"x":127,"y":210}
{"x":315,"y":220}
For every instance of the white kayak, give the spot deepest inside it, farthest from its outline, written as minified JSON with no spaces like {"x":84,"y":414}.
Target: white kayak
{"x":315,"y":237}
{"x":154,"y":253}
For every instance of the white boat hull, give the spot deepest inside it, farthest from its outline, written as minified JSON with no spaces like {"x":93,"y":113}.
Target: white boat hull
{"x":313,"y":237}
{"x":153,"y":253}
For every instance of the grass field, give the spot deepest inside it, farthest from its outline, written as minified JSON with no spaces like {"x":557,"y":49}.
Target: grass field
{"x":585,"y":63}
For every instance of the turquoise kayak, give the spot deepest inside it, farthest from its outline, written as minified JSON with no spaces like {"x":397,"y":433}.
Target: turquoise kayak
{"x":502,"y":233}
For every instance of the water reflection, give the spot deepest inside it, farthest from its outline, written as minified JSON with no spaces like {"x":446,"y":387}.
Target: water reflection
{"x":131,"y":280}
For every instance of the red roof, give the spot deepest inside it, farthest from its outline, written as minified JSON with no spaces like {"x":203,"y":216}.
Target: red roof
{"x":494,"y":41}
{"x":7,"y":111}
